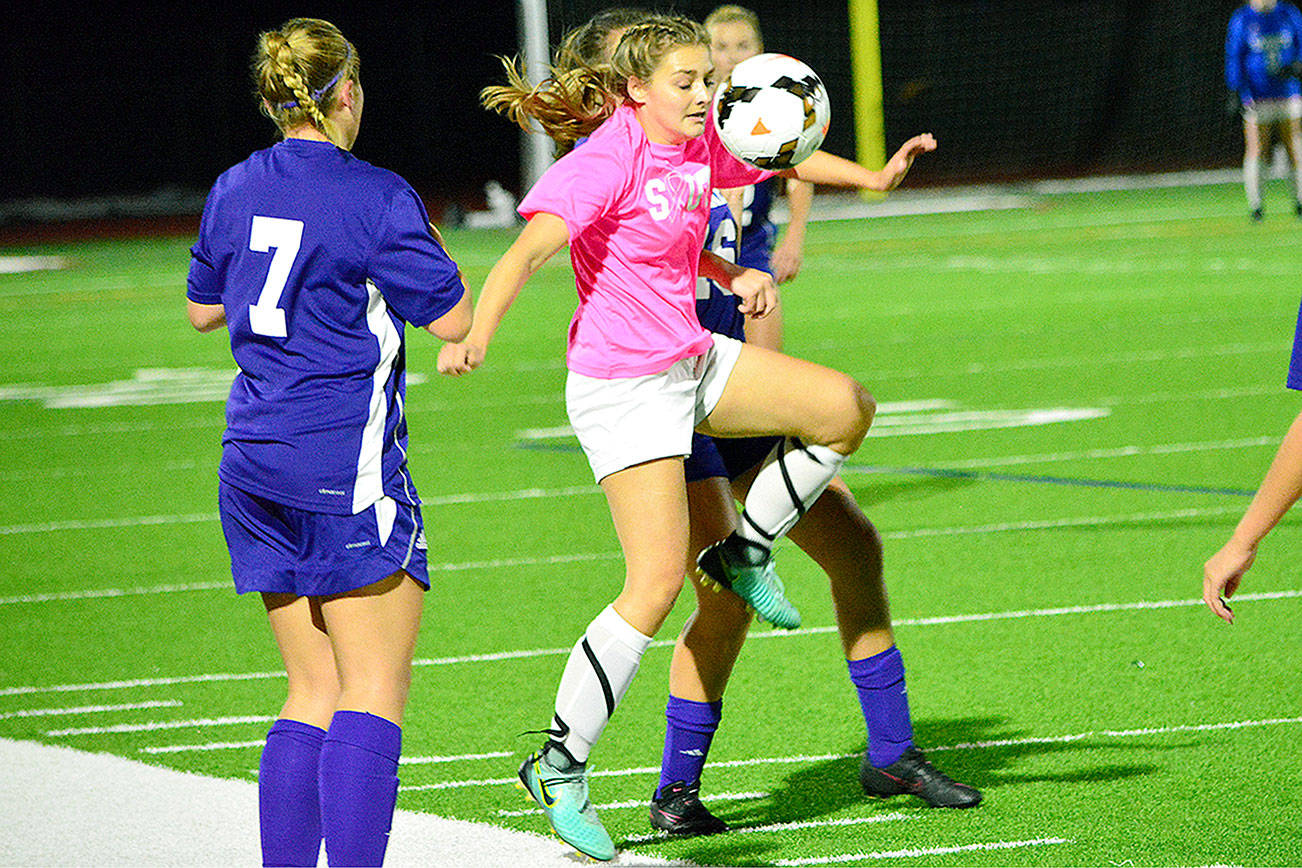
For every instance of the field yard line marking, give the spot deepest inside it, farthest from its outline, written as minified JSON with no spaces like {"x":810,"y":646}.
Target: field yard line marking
{"x":1112,"y":452}
{"x":97,"y":593}
{"x":1068,"y":481}
{"x":914,"y":852}
{"x":637,"y":803}
{"x":156,"y":725}
{"x":833,"y":757}
{"x":497,"y":754}
{"x":783,"y":827}
{"x":666,"y":643}
{"x":1057,"y":523}
{"x":91,"y":709}
{"x":103,"y":523}
{"x":212,"y":745}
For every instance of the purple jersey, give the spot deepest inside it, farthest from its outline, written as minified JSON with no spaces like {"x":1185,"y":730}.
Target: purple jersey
{"x":1258,"y":45}
{"x":319,"y":259}
{"x":758,"y":234}
{"x":716,"y":308}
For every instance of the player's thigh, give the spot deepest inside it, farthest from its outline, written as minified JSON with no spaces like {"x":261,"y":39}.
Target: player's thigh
{"x":772,"y":393}
{"x":648,"y":506}
{"x":305,"y":647}
{"x":1252,"y":138}
{"x":373,"y":633}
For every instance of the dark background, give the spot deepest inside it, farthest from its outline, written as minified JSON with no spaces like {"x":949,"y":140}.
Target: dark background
{"x":152,"y":101}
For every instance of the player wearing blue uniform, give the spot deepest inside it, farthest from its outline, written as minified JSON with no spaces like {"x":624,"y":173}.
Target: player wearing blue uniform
{"x":841,"y":539}
{"x":1279,"y":490}
{"x":315,"y":261}
{"x":1263,"y":59}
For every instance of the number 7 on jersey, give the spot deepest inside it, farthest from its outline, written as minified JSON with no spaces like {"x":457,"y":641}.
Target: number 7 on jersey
{"x":284,"y":236}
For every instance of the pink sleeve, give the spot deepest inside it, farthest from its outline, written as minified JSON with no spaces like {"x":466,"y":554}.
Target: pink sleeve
{"x":726,"y":170}
{"x":578,"y":188}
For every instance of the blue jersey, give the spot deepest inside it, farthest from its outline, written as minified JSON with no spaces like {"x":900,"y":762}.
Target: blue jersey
{"x":758,"y":233}
{"x":716,"y":307}
{"x":320,"y":259}
{"x":1258,"y":45}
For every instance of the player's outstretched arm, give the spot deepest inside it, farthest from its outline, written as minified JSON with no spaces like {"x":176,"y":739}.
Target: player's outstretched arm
{"x":540,"y":239}
{"x":824,"y":168}
{"x":1280,"y":489}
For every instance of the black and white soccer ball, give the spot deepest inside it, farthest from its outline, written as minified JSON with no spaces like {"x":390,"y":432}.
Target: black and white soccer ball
{"x":772,"y":111}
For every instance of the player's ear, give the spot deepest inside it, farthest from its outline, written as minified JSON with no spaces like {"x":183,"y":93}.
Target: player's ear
{"x":637,"y":89}
{"x":346,"y":95}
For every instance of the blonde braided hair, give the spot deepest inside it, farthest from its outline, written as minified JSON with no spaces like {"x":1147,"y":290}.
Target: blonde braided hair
{"x":296,"y":71}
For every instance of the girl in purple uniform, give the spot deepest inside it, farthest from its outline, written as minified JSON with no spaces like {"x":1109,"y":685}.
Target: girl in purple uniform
{"x":315,"y":261}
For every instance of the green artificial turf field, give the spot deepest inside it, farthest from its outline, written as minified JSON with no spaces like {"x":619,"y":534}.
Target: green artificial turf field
{"x":1077,"y":398}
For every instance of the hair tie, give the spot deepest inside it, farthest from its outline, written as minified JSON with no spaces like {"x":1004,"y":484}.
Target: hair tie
{"x":317,"y":94}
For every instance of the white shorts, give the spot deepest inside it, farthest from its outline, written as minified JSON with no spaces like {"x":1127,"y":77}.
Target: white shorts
{"x":631,"y":420}
{"x":1273,"y":111}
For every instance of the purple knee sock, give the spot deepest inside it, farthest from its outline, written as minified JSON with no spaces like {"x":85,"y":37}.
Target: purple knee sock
{"x":289,"y":809}
{"x":880,"y":682}
{"x":359,"y":786}
{"x":689,"y":730}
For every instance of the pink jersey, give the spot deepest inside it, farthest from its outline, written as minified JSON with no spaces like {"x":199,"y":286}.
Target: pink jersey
{"x":637,"y":213}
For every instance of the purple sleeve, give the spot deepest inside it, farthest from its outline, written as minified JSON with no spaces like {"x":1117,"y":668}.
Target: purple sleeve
{"x":202,"y":285}
{"x":579,"y":188}
{"x":412,"y":271}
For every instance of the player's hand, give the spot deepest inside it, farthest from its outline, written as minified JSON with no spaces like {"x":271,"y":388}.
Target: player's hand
{"x":786,"y":261}
{"x":1222,"y":574}
{"x":462,"y":358}
{"x":757,"y":291}
{"x":898,"y":165}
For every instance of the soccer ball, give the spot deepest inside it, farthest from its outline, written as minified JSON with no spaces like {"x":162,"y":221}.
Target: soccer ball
{"x":772,"y":111}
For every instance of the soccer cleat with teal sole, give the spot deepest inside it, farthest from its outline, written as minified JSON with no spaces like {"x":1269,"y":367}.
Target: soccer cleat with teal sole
{"x":563,"y":796}
{"x":747,"y":570}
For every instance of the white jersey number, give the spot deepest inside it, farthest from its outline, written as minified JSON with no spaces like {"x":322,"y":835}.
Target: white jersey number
{"x":284,"y":236}
{"x":724,"y":244}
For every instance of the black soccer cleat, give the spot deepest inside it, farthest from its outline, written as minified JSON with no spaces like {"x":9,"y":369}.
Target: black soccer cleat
{"x":1258,"y":214}
{"x":678,"y":811}
{"x":913,"y":775}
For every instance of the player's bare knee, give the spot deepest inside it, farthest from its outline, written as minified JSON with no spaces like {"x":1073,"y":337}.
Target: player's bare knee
{"x":856,"y":409}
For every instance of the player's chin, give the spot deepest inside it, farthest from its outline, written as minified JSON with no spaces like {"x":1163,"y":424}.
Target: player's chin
{"x":693,"y":125}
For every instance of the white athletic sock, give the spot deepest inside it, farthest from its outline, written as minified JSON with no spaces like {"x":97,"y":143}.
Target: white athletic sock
{"x":1252,"y":181}
{"x":791,"y":479}
{"x":599,"y":671}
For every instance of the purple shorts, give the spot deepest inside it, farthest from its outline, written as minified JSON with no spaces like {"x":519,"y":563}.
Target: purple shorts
{"x":284,"y":550}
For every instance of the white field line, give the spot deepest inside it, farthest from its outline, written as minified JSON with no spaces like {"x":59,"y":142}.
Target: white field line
{"x":421,"y":760}
{"x":806,"y":759}
{"x":90,"y":709}
{"x":156,"y":725}
{"x":637,"y":803}
{"x":892,"y":817}
{"x":915,"y":852}
{"x":532,"y":653}
{"x":1114,"y":452}
{"x":97,"y":593}
{"x":212,"y":745}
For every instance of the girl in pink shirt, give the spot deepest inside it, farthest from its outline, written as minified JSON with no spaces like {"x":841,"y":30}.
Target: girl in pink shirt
{"x":633,"y":205}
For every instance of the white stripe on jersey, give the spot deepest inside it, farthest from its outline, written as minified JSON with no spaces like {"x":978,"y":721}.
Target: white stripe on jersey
{"x":369,"y":486}
{"x":386,"y":510}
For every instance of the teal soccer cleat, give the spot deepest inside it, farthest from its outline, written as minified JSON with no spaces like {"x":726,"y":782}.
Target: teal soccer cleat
{"x":563,"y":796}
{"x":746,"y":569}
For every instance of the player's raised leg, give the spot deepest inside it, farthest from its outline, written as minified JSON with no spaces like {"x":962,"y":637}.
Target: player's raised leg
{"x":826,"y":415}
